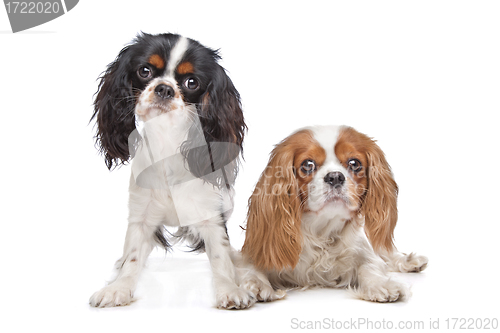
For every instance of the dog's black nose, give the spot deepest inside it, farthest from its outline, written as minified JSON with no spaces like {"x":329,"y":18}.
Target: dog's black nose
{"x":164,"y":91}
{"x":335,"y":179}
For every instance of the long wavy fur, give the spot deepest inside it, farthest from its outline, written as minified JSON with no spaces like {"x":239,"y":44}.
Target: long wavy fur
{"x":273,"y":231}
{"x":114,"y":111}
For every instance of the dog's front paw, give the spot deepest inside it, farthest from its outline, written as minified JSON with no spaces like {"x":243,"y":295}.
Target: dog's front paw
{"x":263,"y":290}
{"x":115,"y":294}
{"x":387,"y":291}
{"x":235,"y":298}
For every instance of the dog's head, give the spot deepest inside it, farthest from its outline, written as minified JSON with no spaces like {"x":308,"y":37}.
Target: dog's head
{"x":168,"y":73}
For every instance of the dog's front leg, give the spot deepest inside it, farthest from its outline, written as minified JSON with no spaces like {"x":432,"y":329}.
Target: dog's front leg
{"x":138,"y":245}
{"x":229,"y":295}
{"x":374,"y":282}
{"x":139,"y":242}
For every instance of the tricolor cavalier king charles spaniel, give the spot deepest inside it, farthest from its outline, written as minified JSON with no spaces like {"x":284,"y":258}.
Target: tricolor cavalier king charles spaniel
{"x":323,"y":214}
{"x":185,"y":150}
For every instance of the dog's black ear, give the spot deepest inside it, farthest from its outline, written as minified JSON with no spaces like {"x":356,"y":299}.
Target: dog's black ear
{"x":114,"y":111}
{"x":223,"y":128}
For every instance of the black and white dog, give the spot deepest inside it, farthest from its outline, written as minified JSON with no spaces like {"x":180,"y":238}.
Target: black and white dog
{"x":185,"y":157}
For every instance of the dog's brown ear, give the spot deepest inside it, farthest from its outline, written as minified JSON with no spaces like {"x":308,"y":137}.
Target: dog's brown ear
{"x":273,"y":236}
{"x":380,"y":204}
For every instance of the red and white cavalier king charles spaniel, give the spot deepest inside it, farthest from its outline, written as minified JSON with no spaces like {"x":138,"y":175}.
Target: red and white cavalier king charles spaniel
{"x":323,"y":214}
{"x":185,"y":156}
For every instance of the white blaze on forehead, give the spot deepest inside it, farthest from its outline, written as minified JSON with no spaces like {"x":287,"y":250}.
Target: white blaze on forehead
{"x":176,"y":55}
{"x":327,"y":137}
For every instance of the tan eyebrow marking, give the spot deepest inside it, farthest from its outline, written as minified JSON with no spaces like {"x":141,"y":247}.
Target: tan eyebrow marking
{"x":156,"y":61}
{"x":185,"y":68}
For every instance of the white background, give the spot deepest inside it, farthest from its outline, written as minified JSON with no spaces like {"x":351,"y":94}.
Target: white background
{"x":422,"y":77}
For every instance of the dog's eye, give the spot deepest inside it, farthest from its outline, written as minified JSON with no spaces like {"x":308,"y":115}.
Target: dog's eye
{"x":144,"y":72}
{"x":191,"y":83}
{"x":308,"y":167}
{"x":354,"y":165}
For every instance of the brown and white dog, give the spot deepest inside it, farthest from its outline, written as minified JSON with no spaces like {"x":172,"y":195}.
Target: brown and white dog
{"x":323,"y":214}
